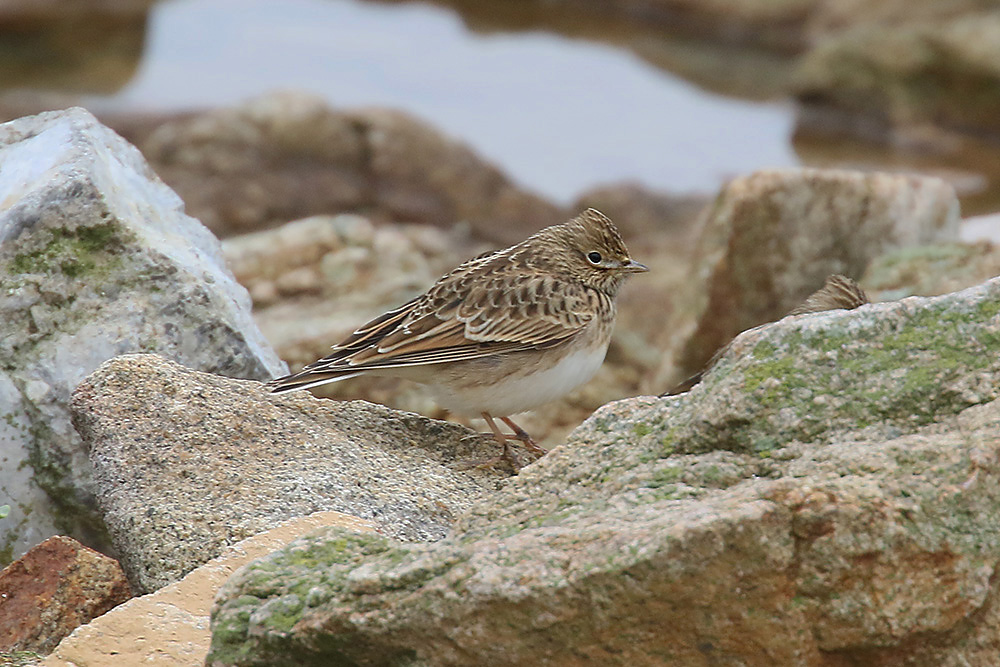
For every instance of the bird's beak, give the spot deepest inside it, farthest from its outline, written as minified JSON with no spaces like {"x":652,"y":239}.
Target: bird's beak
{"x":633,"y":266}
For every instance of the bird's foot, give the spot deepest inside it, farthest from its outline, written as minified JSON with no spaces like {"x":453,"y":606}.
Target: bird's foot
{"x":522,"y":436}
{"x":508,"y":459}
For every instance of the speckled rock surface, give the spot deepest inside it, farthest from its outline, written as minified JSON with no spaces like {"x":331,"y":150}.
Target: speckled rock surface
{"x":773,"y":237}
{"x":98,"y":259}
{"x":885,"y":367}
{"x":827,"y":496}
{"x":186,"y":463}
{"x":54,"y":588}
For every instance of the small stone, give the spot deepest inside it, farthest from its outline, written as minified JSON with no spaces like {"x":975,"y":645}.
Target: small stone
{"x":55,"y":587}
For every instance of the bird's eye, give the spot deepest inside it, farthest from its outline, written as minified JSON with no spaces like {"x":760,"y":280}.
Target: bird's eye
{"x":594,"y":257}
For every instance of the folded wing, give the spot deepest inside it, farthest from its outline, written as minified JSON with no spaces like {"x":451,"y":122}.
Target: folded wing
{"x":485,"y":307}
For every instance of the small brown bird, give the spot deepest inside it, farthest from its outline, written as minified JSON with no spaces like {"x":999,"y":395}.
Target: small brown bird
{"x":837,"y":292}
{"x":503,"y":333}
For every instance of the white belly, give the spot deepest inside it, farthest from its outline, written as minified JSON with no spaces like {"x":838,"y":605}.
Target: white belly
{"x":521,"y":390}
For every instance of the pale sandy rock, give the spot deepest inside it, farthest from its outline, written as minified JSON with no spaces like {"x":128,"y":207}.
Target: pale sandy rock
{"x":187,"y":463}
{"x":99,"y":259}
{"x":170,"y":628}
{"x":931,"y":270}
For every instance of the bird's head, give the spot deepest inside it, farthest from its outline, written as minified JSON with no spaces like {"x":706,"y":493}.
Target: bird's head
{"x":590,"y":249}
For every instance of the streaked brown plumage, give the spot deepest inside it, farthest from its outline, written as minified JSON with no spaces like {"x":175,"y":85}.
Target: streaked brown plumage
{"x":837,"y":292}
{"x":502,"y":333}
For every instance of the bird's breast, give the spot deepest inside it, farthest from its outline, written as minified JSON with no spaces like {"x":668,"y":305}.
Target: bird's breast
{"x":513,"y":383}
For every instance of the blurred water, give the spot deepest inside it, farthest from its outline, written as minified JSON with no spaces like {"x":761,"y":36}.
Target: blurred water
{"x":559,"y":115}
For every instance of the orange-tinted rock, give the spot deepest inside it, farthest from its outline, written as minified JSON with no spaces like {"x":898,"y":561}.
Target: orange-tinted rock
{"x":55,"y":587}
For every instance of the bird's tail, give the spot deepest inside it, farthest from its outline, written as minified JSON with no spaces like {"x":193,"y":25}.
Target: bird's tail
{"x":306,"y":378}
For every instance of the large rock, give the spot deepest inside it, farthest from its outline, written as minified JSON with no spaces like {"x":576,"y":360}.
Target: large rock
{"x":98,"y":259}
{"x":54,"y":588}
{"x":186,"y":463}
{"x":285,"y":156}
{"x":931,"y":269}
{"x":170,"y":628}
{"x":827,"y":496}
{"x":773,"y":237}
{"x":898,"y":78}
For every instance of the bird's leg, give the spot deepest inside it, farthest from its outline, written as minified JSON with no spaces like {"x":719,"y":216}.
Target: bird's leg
{"x":521,"y":435}
{"x":502,"y":439}
{"x":508,"y":454}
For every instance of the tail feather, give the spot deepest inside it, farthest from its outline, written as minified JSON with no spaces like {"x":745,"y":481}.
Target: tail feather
{"x":307,"y":379}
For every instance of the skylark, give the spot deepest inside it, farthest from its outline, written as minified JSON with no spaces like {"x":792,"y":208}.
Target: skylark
{"x":503,"y":333}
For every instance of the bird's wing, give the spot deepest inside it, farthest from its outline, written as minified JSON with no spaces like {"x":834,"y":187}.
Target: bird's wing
{"x":465,"y":316}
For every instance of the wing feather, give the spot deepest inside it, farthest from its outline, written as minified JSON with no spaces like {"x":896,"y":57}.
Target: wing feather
{"x":489,"y":305}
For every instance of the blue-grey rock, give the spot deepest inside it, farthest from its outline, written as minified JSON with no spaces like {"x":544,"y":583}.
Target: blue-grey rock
{"x":98,"y":259}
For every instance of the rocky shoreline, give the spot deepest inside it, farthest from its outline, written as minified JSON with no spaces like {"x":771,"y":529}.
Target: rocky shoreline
{"x":826,"y":463}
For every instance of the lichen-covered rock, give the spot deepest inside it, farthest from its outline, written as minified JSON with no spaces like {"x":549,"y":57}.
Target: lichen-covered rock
{"x":773,"y":237}
{"x":828,"y":495}
{"x":186,"y":463}
{"x":54,"y":588}
{"x":888,"y":367}
{"x":98,"y":259}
